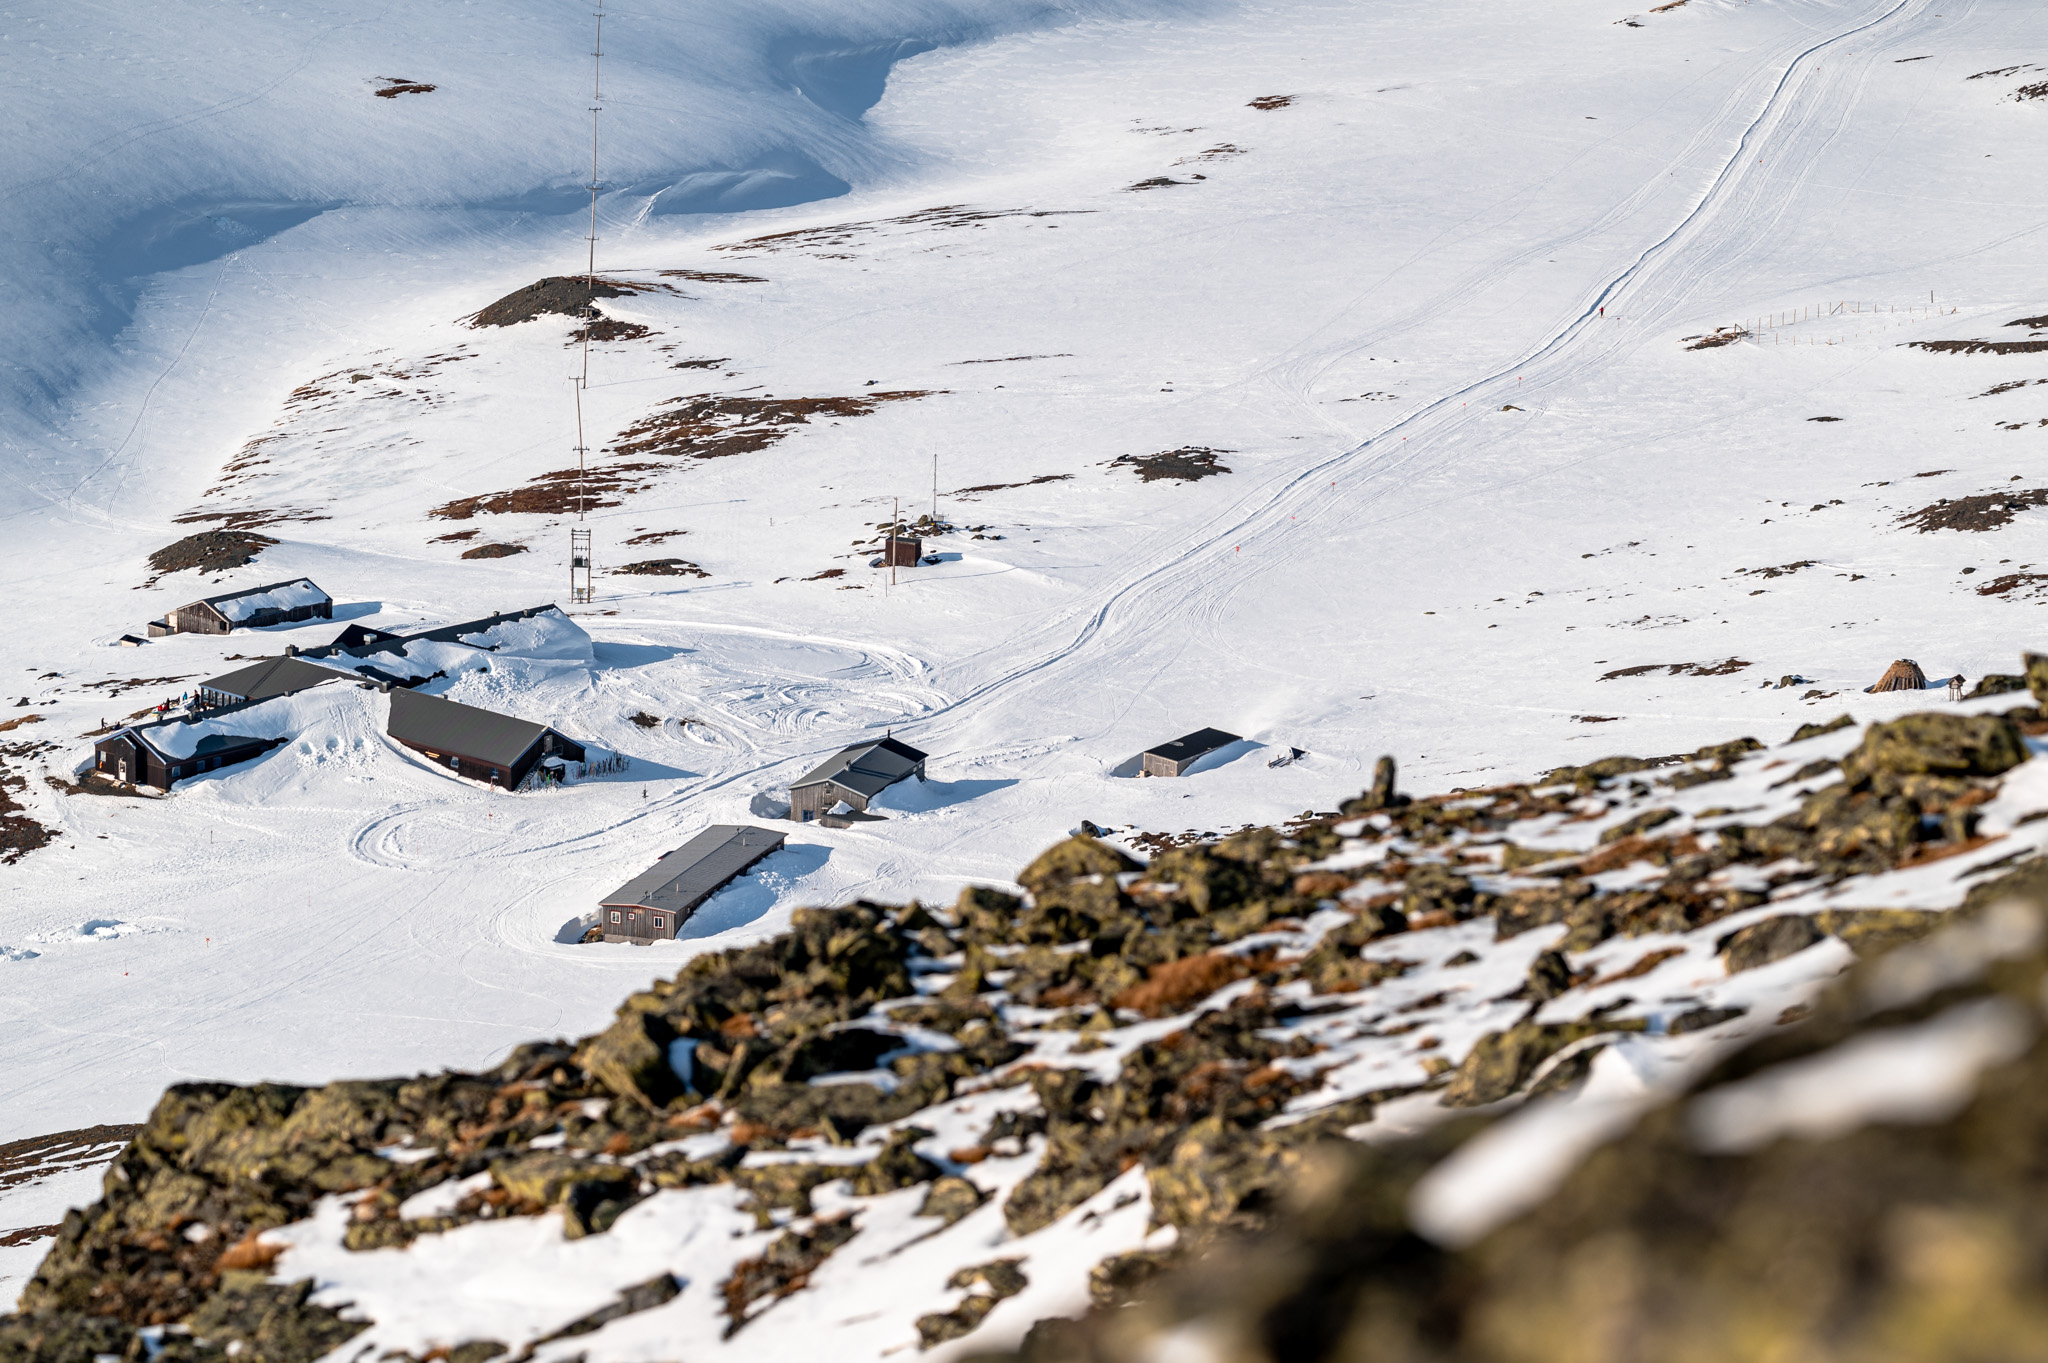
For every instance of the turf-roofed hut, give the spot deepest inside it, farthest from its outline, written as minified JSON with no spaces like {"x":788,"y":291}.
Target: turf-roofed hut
{"x":1171,"y":759}
{"x":1903,"y":675}
{"x":480,"y":744}
{"x":854,"y":776}
{"x":654,"y":904}
{"x":278,"y":603}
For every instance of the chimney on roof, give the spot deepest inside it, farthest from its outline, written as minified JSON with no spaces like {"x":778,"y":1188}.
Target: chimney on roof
{"x":291,"y":650}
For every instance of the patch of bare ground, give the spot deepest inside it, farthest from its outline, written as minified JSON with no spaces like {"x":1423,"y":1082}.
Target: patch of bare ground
{"x":553,"y":494}
{"x":248,"y":518}
{"x":1161,"y":182}
{"x":1980,"y":347}
{"x":1595,"y":719}
{"x":1823,"y":418}
{"x":1186,"y":464}
{"x":699,"y":364}
{"x":656,"y":536}
{"x":453,"y":535}
{"x":2035,"y":323}
{"x":1780,"y":570}
{"x":2017,"y":586}
{"x":210,"y":551}
{"x":494,"y":551}
{"x":840,"y":235}
{"x":712,"y":426}
{"x":714,"y":276}
{"x":1720,"y":669}
{"x":1012,"y":359}
{"x":566,"y":295}
{"x":1271,"y":102}
{"x":394,"y":86}
{"x":19,"y":834}
{"x":1720,"y":336}
{"x":662,"y":567}
{"x":1222,"y":151}
{"x":1987,"y":511}
{"x":601,"y":328}
{"x":1005,"y":487}
{"x":827,"y":575}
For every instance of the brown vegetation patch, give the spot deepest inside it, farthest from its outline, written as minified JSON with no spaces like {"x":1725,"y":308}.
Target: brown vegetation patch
{"x":1271,"y":102}
{"x":1721,"y":336}
{"x":2017,"y":586}
{"x":394,"y":86}
{"x":568,"y":295}
{"x":1157,"y":182}
{"x":1980,"y":347}
{"x":1171,"y":987}
{"x":848,"y":233}
{"x":827,"y":575}
{"x":1595,"y":719}
{"x":1012,"y":359}
{"x":19,"y":834}
{"x":1647,"y":963}
{"x":1005,"y":487}
{"x":711,"y":425}
{"x":210,"y":551}
{"x":1720,"y":669}
{"x":494,"y":551}
{"x":700,"y":364}
{"x":714,"y":276}
{"x":1186,"y":464}
{"x":454,"y":535}
{"x":662,"y":567}
{"x":601,"y":328}
{"x":246,"y":519}
{"x":1781,"y":570}
{"x":656,"y":536}
{"x":552,"y":494}
{"x":2034,"y":322}
{"x":1987,"y":511}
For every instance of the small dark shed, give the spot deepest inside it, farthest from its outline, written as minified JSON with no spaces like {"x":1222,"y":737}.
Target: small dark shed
{"x":654,"y":904}
{"x":253,"y":608}
{"x":1171,"y":759}
{"x":262,"y":680}
{"x":148,"y":755}
{"x":480,"y":744}
{"x":856,"y":775}
{"x":901,"y":551}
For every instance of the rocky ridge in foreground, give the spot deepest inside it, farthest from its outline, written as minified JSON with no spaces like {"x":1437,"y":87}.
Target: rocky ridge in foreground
{"x":926,"y":1111}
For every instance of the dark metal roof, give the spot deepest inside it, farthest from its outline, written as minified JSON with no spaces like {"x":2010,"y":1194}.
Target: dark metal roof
{"x":691,"y":874}
{"x":355,"y":636}
{"x":869,"y":768}
{"x":444,"y":726}
{"x":1193,"y":745}
{"x":272,"y":677}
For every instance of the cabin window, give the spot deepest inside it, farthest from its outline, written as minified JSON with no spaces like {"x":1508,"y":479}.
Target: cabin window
{"x":615,"y":915}
{"x":454,"y":761}
{"x":177,"y":772}
{"x":659,"y":922}
{"x":494,"y":773}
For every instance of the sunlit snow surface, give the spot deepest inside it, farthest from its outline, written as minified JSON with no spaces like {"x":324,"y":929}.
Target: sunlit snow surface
{"x":1459,"y":495}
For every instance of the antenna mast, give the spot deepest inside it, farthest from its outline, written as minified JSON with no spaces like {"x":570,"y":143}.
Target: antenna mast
{"x":580,"y":585}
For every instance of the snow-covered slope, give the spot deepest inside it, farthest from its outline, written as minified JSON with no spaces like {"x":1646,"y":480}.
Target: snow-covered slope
{"x":1356,"y":255}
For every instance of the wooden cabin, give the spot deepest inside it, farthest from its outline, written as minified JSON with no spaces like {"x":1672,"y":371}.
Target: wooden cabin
{"x":653,"y":905}
{"x":149,"y":755}
{"x":480,"y":744}
{"x":901,"y":551}
{"x":855,"y":775}
{"x":262,"y":680}
{"x":1171,"y":759}
{"x":276,"y":604}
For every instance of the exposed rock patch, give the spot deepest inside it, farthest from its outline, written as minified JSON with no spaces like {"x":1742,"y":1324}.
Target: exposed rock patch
{"x":210,"y":551}
{"x":1188,"y":464}
{"x":1986,"y":511}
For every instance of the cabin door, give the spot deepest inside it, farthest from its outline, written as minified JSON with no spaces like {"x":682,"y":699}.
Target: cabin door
{"x":124,"y":769}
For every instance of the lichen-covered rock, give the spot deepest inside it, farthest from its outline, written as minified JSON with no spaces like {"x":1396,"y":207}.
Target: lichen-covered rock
{"x":1773,"y":939}
{"x":1937,"y":745}
{"x":1075,"y":859}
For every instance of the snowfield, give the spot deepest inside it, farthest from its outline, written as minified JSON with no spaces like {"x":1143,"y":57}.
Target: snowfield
{"x":1416,"y":292}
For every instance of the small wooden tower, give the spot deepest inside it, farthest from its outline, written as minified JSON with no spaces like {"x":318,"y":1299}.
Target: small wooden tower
{"x":1903,"y":675}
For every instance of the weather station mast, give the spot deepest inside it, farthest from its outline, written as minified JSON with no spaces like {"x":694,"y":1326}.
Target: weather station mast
{"x":581,"y":586}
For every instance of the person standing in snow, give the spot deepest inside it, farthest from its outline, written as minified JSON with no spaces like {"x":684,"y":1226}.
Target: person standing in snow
{"x":1955,"y":687}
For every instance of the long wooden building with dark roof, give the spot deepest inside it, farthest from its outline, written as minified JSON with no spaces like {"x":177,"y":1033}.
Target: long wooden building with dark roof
{"x":654,"y":904}
{"x":480,"y":744}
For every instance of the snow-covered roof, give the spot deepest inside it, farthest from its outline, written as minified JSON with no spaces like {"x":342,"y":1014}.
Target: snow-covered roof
{"x":868,"y":768}
{"x":236,"y":607}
